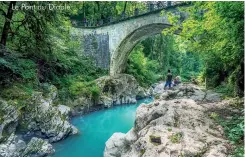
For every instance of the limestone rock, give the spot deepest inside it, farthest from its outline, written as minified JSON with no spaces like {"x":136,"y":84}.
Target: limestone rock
{"x":176,"y":127}
{"x":115,"y":90}
{"x":80,"y":106}
{"x":158,"y":88}
{"x":113,"y":144}
{"x":117,"y":141}
{"x":186,"y":91}
{"x":45,"y":120}
{"x":38,"y":148}
{"x":212,"y":96}
{"x":144,"y":93}
{"x":106,"y":101}
{"x":64,"y":110}
{"x":16,"y":147}
{"x":12,"y":147}
{"x":118,"y":89}
{"x":8,"y":119}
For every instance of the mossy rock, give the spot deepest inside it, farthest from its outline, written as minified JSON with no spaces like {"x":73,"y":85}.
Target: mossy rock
{"x":109,"y":87}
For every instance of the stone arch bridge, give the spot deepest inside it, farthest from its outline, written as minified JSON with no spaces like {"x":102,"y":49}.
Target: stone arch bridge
{"x":110,"y":45}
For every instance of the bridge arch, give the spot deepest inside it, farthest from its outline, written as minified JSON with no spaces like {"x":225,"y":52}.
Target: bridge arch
{"x":120,"y":56}
{"x":110,"y":45}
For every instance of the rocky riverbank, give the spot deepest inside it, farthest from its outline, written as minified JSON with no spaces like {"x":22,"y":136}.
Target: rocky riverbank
{"x":28,"y":129}
{"x":114,"y":90}
{"x":39,"y":122}
{"x":175,"y":124}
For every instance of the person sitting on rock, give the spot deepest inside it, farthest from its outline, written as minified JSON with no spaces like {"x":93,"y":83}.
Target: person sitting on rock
{"x":177,"y":80}
{"x":168,"y":80}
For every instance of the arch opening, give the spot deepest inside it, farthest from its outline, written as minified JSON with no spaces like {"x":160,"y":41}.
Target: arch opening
{"x":120,"y":56}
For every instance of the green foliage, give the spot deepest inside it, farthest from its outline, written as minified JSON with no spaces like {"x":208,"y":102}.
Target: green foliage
{"x":239,"y":152}
{"x":17,"y":92}
{"x":225,"y":90}
{"x":175,"y":138}
{"x":141,"y":67}
{"x":150,"y":60}
{"x":216,"y":34}
{"x":13,"y":65}
{"x":213,"y":115}
{"x":142,"y":152}
{"x":234,"y":129}
{"x":44,"y":53}
{"x":233,"y":125}
{"x":88,"y":89}
{"x":97,"y":10}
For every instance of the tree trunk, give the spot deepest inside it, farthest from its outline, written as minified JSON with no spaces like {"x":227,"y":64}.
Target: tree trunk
{"x":6,"y":27}
{"x":98,"y":5}
{"x":84,"y":10}
{"x":125,"y":6}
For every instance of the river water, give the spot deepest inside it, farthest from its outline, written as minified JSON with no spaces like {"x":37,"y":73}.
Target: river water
{"x":95,"y":129}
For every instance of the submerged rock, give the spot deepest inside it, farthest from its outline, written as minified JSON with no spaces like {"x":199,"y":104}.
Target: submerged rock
{"x":176,"y":127}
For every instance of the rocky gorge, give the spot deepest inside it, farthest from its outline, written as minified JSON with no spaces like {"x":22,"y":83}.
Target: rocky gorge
{"x":29,"y":129}
{"x":177,"y":123}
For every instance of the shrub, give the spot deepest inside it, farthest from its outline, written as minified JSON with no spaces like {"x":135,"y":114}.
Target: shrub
{"x":87,"y":89}
{"x":175,"y":138}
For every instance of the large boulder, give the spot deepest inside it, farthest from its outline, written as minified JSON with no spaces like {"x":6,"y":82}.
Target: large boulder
{"x":114,"y":90}
{"x":186,"y":90}
{"x":118,"y":89}
{"x":144,"y":93}
{"x":9,"y":117}
{"x":41,"y":118}
{"x":14,"y":146}
{"x":81,"y":106}
{"x":158,"y":88}
{"x":177,"y":127}
{"x":38,"y":148}
{"x":119,"y":141}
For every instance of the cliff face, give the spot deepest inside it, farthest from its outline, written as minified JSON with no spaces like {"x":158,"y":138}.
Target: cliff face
{"x":114,"y":90}
{"x":173,"y":125}
{"x":120,"y":89}
{"x":39,"y":119}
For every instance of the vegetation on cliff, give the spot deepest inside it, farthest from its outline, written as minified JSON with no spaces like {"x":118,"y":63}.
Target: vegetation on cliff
{"x":36,"y":50}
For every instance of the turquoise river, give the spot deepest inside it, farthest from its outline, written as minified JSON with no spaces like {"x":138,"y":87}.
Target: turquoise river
{"x":95,"y":129}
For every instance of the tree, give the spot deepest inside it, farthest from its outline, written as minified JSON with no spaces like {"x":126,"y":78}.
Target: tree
{"x":215,"y":31}
{"x":124,"y":8}
{"x":8,"y":17}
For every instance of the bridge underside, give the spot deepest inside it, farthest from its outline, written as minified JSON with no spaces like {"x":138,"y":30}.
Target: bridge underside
{"x":111,"y":45}
{"x":120,"y":56}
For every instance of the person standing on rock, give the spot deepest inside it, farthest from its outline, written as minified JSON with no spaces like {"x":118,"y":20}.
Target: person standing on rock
{"x":168,"y":80}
